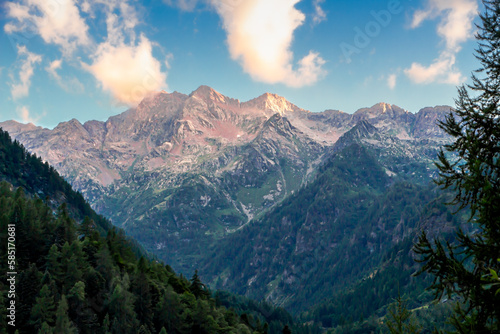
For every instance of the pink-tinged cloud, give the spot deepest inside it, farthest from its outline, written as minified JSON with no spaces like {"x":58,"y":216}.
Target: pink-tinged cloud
{"x":26,"y":117}
{"x":122,"y":64}
{"x":392,"y":80}
{"x":319,"y":13}
{"x":456,"y":27}
{"x":128,"y":72}
{"x":259,"y":36}
{"x":20,"y":88}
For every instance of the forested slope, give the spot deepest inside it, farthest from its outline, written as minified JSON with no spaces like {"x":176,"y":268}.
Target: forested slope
{"x":84,"y":276}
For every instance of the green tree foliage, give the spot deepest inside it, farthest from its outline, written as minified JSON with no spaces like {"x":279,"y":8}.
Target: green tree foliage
{"x":63,"y":323}
{"x":401,"y":320}
{"x":118,"y":293}
{"x":44,"y":309}
{"x":460,"y":268}
{"x":197,"y":287}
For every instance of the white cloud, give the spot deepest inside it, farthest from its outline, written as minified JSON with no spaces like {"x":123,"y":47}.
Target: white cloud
{"x":71,"y":85}
{"x":456,"y":27}
{"x":121,"y":20}
{"x":122,"y":64}
{"x":26,"y":117}
{"x":28,"y":60}
{"x":442,"y":70}
{"x":259,"y":36}
{"x":392,"y":80}
{"x":187,"y":5}
{"x":128,"y":72}
{"x":319,"y":15}
{"x":56,"y":21}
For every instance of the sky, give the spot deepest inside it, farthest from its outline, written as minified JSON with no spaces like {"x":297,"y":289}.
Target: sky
{"x":92,"y":59}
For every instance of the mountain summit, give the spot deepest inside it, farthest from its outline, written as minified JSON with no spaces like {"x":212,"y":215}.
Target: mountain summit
{"x":179,"y":169}
{"x":273,"y":104}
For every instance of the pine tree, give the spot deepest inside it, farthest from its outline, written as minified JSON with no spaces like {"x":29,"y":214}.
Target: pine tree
{"x":464,"y":267}
{"x":197,"y":287}
{"x":44,"y":309}
{"x":86,"y":227}
{"x":121,"y":307}
{"x":168,"y":310}
{"x":63,"y":323}
{"x":27,"y":289}
{"x":45,"y":329}
{"x":401,"y":320}
{"x":106,"y":324}
{"x":54,"y":263}
{"x":143,"y":303}
{"x":66,"y":228}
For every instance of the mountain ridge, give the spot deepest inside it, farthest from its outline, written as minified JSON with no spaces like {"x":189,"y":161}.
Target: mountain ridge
{"x":183,"y":169}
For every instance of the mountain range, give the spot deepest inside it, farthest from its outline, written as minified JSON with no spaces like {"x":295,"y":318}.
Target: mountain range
{"x":261,"y":195}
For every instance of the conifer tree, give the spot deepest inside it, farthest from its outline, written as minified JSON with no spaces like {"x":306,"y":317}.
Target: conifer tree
{"x":197,"y":287}
{"x":54,"y":263}
{"x":106,"y":324}
{"x":86,"y":227}
{"x":45,"y":329}
{"x":473,"y":171}
{"x":44,"y":309}
{"x":401,"y":320}
{"x":66,"y":228}
{"x":121,"y":307}
{"x":63,"y":323}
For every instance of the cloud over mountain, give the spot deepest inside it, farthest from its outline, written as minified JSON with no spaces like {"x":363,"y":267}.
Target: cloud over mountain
{"x":122,"y":64}
{"x":259,"y":36}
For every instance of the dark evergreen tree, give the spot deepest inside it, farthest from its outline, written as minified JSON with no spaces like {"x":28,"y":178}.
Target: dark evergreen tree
{"x":400,"y":320}
{"x":473,"y":171}
{"x":63,"y":323}
{"x":45,"y":329}
{"x":197,"y":287}
{"x":44,"y":309}
{"x":121,"y":307}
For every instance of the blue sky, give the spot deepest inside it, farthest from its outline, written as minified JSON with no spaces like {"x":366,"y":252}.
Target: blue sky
{"x":91,"y":59}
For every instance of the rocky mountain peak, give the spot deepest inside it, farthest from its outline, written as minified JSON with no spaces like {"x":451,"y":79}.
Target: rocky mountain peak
{"x":272,"y":104}
{"x":389,"y":118}
{"x":362,"y":129}
{"x":69,"y":126}
{"x":382,"y":110}
{"x":15,"y":127}
{"x":426,"y":122}
{"x":209,"y":94}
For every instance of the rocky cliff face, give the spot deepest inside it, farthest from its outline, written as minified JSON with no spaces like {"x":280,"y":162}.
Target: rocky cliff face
{"x":179,"y":171}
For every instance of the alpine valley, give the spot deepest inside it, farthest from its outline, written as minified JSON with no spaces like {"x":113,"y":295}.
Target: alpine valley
{"x":306,"y":210}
